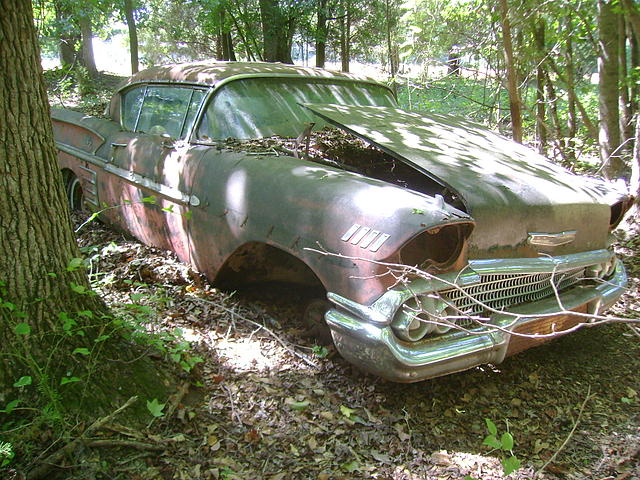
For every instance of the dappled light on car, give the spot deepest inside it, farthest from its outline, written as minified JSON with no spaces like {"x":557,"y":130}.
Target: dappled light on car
{"x":236,"y":197}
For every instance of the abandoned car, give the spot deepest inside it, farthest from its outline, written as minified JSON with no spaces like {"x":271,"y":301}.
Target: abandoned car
{"x":440,"y":245}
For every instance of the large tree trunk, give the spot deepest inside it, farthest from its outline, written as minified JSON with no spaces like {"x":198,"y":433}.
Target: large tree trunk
{"x":609,"y":135}
{"x":277,"y":32}
{"x":88,"y":58}
{"x":38,"y":245}
{"x":515,"y":105}
{"x":321,"y":34}
{"x":391,"y":47}
{"x":133,"y":35}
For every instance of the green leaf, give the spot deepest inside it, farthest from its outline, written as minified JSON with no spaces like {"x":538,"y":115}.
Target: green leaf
{"x":75,"y":264}
{"x":81,"y":351}
{"x":155,"y":408}
{"x":86,"y":314}
{"x":302,"y":405}
{"x":168,"y":209}
{"x":151,"y":200}
{"x":187,"y":215}
{"x":65,"y":380}
{"x":346,"y":411}
{"x":507,"y":441}
{"x":320,"y":351}
{"x":492,"y":442}
{"x":22,"y":329}
{"x":11,"y":406}
{"x":23,"y":382}
{"x":493,"y":430}
{"x":510,"y":465}
{"x":351,"y":466}
{"x":417,"y":211}
{"x":102,"y":338}
{"x":79,"y":289}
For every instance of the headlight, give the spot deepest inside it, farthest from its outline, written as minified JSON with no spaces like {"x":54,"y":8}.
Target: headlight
{"x":439,"y":247}
{"x":420,"y":316}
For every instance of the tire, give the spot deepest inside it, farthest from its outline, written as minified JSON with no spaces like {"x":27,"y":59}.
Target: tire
{"x":75,"y":195}
{"x":315,"y":323}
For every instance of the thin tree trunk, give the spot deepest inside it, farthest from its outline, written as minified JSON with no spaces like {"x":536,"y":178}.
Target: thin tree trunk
{"x":321,"y":34}
{"x":608,"y":90}
{"x":133,"y":35}
{"x":626,"y":127}
{"x":345,"y":37}
{"x":88,"y":58}
{"x":67,"y":39}
{"x":572,"y":121}
{"x":541,"y":132}
{"x":393,"y":64}
{"x":515,"y":105}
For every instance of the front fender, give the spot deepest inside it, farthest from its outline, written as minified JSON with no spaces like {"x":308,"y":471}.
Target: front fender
{"x":305,"y":208}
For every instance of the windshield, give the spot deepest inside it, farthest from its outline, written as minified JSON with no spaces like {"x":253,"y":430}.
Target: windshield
{"x":262,"y":107}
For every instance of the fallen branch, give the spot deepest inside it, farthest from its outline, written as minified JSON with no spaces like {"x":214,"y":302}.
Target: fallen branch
{"x":123,"y":443}
{"x":566,"y":441}
{"x":48,"y":463}
{"x":270,"y":332}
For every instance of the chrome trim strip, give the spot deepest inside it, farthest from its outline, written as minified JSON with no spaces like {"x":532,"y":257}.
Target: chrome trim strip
{"x":171,"y":193}
{"x":378,"y":243}
{"x":353,"y":229}
{"x":551,"y":239}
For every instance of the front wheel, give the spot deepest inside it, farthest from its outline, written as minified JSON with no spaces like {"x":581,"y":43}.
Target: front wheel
{"x":314,"y":321}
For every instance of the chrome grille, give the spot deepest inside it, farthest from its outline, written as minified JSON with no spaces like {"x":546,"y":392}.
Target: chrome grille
{"x":499,"y":291}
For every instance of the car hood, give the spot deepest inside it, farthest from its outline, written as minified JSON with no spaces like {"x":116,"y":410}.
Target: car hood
{"x":508,"y":189}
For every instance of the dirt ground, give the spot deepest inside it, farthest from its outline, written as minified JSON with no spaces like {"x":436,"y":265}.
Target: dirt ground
{"x":267,"y":403}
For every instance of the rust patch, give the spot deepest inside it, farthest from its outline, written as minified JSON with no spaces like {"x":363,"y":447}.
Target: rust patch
{"x":544,"y":326}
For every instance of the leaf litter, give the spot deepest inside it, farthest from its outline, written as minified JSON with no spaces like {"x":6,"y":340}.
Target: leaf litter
{"x":262,"y":405}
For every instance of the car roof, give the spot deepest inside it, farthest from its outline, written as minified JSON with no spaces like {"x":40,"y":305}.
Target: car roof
{"x":214,"y":73}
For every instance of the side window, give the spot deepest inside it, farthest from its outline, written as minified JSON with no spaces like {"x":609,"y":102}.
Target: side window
{"x":131,"y":103}
{"x":164,"y":110}
{"x":161,"y":109}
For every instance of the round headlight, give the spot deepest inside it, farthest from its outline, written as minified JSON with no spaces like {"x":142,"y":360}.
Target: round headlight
{"x":420,"y":316}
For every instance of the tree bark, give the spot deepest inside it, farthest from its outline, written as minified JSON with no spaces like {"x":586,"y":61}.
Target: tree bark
{"x":345,"y":38}
{"x":541,"y":132}
{"x":626,"y":127}
{"x":88,"y":58}
{"x":572,"y":121}
{"x":133,"y":35}
{"x":38,"y":245}
{"x":515,"y":105}
{"x":608,"y":90}
{"x":391,"y":49}
{"x":321,"y":34}
{"x":67,"y":39}
{"x":277,"y":32}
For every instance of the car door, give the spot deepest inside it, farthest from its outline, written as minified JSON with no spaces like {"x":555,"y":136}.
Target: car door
{"x":152,"y":161}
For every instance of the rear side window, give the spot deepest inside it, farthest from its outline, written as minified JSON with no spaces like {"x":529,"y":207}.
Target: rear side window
{"x":161,"y":109}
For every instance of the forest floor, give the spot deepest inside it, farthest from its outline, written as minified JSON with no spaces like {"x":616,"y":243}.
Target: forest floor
{"x":266,"y":402}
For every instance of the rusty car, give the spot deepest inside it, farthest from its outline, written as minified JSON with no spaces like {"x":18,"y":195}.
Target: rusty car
{"x":439,"y":244}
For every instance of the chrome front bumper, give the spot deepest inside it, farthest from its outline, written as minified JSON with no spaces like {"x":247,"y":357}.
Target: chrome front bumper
{"x":363,"y":334}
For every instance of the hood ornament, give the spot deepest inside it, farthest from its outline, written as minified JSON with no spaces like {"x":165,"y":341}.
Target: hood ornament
{"x":551,"y":239}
